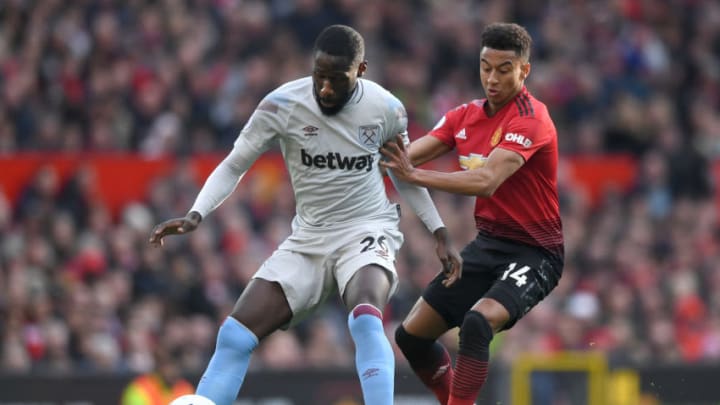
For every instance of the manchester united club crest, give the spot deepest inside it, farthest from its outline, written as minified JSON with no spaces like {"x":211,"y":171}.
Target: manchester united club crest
{"x":496,"y":137}
{"x":369,"y":135}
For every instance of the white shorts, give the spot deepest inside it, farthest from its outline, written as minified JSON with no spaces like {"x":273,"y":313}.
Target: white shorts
{"x":310,"y":264}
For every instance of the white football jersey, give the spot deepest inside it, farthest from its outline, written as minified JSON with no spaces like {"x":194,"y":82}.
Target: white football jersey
{"x":332,"y":159}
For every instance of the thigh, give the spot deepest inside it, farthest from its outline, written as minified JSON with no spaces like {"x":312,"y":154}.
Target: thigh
{"x":304,"y":282}
{"x":370,"y":285}
{"x":424,"y":321}
{"x":451,"y":303}
{"x":262,"y":307}
{"x":366,"y":246}
{"x":523,"y":281}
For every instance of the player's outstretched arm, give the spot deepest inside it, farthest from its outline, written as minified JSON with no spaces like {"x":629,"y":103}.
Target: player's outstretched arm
{"x":480,"y":182}
{"x":175,"y":226}
{"x":218,"y":186}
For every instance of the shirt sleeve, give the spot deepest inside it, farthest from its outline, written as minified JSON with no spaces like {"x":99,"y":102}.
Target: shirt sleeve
{"x":418,"y":198}
{"x":444,"y":130}
{"x":396,"y":120}
{"x":525,"y":135}
{"x":259,"y":133}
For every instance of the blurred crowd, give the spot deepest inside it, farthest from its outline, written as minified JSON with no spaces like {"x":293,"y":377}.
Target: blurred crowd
{"x":81,"y":290}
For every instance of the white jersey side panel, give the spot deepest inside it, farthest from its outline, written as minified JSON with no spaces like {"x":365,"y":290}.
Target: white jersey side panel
{"x":332,"y":159}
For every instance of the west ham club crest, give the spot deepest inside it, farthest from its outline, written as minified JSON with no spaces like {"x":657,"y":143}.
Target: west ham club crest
{"x":369,"y":135}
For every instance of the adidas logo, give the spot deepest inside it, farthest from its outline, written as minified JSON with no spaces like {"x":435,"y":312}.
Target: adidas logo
{"x":461,"y":134}
{"x":440,"y":372}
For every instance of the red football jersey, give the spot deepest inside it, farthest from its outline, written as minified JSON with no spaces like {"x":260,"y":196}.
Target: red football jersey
{"x":525,"y":207}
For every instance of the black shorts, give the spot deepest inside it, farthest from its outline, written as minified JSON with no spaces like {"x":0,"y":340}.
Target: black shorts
{"x":516,"y":275}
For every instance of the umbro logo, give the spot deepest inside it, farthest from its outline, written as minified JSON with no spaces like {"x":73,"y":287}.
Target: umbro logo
{"x":371,"y":372}
{"x":310,"y":130}
{"x":461,"y":134}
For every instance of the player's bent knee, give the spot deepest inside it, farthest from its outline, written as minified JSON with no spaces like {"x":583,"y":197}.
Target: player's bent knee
{"x":475,"y":329}
{"x":495,"y":313}
{"x":411,"y":345}
{"x":262,"y":307}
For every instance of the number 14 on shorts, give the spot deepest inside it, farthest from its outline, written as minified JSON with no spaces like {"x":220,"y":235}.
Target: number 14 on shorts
{"x":517,"y":275}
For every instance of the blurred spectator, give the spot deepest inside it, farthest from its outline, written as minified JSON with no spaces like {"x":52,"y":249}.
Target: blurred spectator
{"x":81,"y":290}
{"x":160,"y":385}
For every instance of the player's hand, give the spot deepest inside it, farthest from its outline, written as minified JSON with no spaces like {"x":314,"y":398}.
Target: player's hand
{"x":449,"y":257}
{"x":397,"y":159}
{"x":176,"y":226}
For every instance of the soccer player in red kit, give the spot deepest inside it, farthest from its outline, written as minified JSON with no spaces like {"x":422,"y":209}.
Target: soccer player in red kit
{"x":507,"y":148}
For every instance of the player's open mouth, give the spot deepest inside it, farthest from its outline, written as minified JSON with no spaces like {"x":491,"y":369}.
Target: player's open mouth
{"x":327,"y":103}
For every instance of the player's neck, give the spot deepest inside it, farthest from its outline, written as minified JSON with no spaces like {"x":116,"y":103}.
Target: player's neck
{"x":492,"y":109}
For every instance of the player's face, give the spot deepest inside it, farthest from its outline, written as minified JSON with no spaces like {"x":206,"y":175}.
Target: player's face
{"x":502,"y":74}
{"x":334,"y":80}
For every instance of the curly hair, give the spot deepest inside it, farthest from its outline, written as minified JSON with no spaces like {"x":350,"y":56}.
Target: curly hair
{"x":507,"y":37}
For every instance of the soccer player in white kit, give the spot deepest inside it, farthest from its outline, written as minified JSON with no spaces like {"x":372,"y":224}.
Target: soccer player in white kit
{"x":345,"y":234}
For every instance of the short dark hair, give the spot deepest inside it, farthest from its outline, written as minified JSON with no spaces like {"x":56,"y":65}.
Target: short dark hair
{"x":507,"y":37}
{"x":341,"y":40}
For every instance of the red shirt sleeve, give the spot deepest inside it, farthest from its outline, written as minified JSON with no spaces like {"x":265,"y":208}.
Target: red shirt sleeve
{"x":445,"y":128}
{"x":525,"y":135}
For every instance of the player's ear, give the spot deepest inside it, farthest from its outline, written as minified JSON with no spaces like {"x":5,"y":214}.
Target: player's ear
{"x":362,"y":67}
{"x":524,"y":70}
